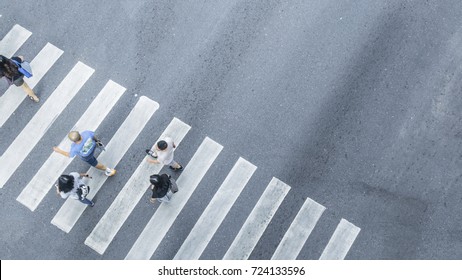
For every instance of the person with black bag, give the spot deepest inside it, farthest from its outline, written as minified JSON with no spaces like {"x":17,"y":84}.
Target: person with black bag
{"x":73,"y":186}
{"x":163,"y":187}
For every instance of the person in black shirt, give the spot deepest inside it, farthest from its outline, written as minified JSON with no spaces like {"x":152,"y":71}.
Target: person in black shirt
{"x":9,"y":70}
{"x":163,"y":187}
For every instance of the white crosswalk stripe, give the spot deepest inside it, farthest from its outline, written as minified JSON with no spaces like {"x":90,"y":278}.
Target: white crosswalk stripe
{"x":103,"y":233}
{"x":165,"y":215}
{"x":43,"y":119}
{"x":154,"y":232}
{"x":71,"y":211}
{"x":13,"y":40}
{"x":216,"y":211}
{"x":40,"y":65}
{"x":341,"y":241}
{"x":258,"y":220}
{"x":56,"y":163}
{"x":299,"y":231}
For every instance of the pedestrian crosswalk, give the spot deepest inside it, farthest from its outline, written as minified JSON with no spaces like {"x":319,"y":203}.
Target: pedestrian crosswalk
{"x":341,"y":241}
{"x":41,"y":183}
{"x":163,"y":218}
{"x":41,"y":64}
{"x":13,"y":40}
{"x":101,"y":237}
{"x":106,"y":229}
{"x":258,"y":220}
{"x":216,"y":211}
{"x":71,"y":211}
{"x":42,"y":120}
{"x":299,"y":231}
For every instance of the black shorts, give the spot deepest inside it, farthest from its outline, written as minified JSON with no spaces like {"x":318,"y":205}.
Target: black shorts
{"x":19,"y":81}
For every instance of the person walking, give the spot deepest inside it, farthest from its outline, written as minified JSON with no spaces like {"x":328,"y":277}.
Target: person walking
{"x":163,"y":187}
{"x":72,"y":186}
{"x":9,"y":70}
{"x":163,"y":154}
{"x":84,"y":145}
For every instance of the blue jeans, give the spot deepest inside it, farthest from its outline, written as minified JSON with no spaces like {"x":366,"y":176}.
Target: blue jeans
{"x":86,"y":201}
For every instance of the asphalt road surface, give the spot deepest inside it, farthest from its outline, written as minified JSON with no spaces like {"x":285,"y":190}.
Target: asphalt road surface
{"x":354,"y":104}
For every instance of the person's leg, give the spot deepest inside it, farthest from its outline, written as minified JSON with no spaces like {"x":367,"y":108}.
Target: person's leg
{"x":94,"y":162}
{"x":29,"y":92}
{"x":166,"y":198}
{"x":101,"y":166}
{"x":21,"y":83}
{"x":87,"y":201}
{"x":175,"y":165}
{"x":108,"y":171}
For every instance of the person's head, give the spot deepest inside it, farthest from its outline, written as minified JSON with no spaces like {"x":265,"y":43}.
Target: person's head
{"x":154,"y":179}
{"x":7,"y":67}
{"x":162,"y":145}
{"x":74,"y":136}
{"x":65,"y":183}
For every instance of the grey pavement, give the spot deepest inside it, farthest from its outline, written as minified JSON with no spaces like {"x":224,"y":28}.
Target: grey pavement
{"x":355,"y":104}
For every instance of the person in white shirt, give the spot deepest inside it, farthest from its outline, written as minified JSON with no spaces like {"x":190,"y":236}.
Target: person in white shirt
{"x":70,"y":186}
{"x":163,"y":154}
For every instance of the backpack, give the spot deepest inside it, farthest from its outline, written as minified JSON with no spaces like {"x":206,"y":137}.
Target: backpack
{"x":24,"y":68}
{"x":83,"y":191}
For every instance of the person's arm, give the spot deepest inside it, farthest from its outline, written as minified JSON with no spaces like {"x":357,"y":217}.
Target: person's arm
{"x":84,"y":175}
{"x":152,"y":199}
{"x":59,"y":151}
{"x":61,"y":194}
{"x":152,"y":160}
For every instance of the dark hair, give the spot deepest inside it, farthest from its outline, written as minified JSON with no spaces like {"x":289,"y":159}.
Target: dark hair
{"x":65,"y":183}
{"x":154,"y":179}
{"x":162,"y":145}
{"x":161,"y":184}
{"x":8,"y":68}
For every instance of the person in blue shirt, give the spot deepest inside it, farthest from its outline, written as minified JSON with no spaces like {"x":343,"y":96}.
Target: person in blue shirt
{"x":83,"y":146}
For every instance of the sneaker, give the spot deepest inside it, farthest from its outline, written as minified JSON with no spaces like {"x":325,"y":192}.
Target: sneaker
{"x":176,"y":168}
{"x":110,"y":173}
{"x":151,"y":153}
{"x":92,"y":204}
{"x":34,"y":98}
